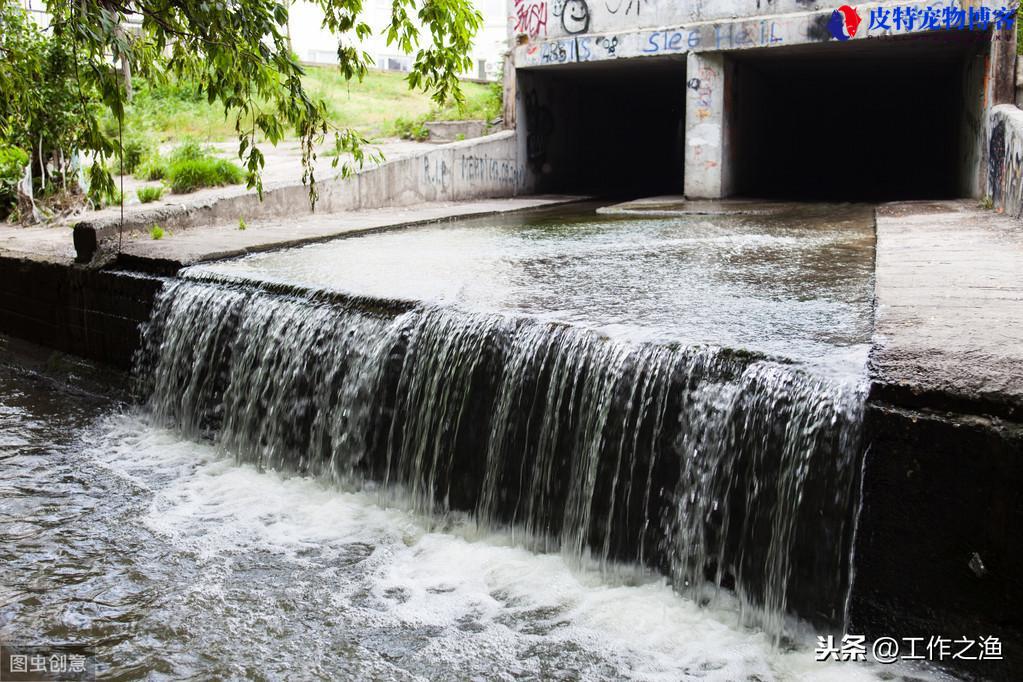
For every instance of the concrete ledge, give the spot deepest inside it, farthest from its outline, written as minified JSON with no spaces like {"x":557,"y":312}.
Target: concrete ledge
{"x":944,"y":431}
{"x":90,"y":313}
{"x":481,"y":168}
{"x":948,"y":332}
{"x":167,"y":255}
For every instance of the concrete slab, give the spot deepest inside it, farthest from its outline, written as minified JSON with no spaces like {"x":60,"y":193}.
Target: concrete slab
{"x":226,"y":240}
{"x":949,"y":318}
{"x":48,"y":242}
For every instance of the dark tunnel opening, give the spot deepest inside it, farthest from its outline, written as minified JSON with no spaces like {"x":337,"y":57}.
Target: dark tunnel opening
{"x":612,"y":129}
{"x":885,"y":119}
{"x":872,"y":120}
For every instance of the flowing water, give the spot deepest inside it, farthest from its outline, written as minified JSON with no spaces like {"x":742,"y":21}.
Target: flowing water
{"x":325,"y":480}
{"x":794,"y":282}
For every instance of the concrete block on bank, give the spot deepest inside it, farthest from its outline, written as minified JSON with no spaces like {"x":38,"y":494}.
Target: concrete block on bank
{"x":452,"y":131}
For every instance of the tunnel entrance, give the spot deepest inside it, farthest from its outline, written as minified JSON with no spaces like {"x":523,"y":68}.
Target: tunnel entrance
{"x":874,"y":120}
{"x":613,"y":129}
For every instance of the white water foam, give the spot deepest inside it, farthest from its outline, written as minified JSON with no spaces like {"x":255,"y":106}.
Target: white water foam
{"x":486,"y":606}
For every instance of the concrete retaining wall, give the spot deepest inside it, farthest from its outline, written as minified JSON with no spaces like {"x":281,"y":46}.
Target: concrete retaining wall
{"x":1005,"y":159}
{"x":486,"y":167}
{"x":90,"y":313}
{"x":937,"y":548}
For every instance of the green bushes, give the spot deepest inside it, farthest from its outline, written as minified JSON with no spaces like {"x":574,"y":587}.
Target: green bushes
{"x":189,"y":150}
{"x":156,"y":232}
{"x":12,"y":168}
{"x":149,"y":194}
{"x":188,"y":175}
{"x":190,"y":167}
{"x":154,"y":169}
{"x":486,"y":104}
{"x":45,"y":109}
{"x":101,"y":196}
{"x":410,"y":128}
{"x":136,"y":152}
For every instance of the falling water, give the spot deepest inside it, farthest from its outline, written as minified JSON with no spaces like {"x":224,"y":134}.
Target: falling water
{"x":713,"y":466}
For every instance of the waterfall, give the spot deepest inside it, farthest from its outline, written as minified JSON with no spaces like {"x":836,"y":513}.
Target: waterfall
{"x":713,"y":466}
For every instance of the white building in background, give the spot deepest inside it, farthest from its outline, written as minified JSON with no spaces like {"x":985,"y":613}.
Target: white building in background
{"x":316,"y":45}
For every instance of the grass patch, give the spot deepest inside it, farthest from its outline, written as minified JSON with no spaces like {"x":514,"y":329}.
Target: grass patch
{"x":177,"y":110}
{"x":189,"y":175}
{"x":410,"y":128}
{"x":149,"y":194}
{"x":136,"y":151}
{"x":100,"y":200}
{"x":190,"y":150}
{"x":191,"y":166}
{"x":154,"y":169}
{"x":156,"y":232}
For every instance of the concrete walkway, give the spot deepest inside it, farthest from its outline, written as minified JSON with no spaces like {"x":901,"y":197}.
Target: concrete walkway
{"x":949,"y":319}
{"x":194,"y":245}
{"x":223,"y":241}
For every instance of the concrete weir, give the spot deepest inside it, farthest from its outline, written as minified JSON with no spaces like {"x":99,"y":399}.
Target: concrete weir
{"x":785,"y":100}
{"x":709,"y":109}
{"x":942,"y":433}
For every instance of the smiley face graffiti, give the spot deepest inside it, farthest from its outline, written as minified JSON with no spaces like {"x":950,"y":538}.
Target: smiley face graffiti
{"x":575,"y":16}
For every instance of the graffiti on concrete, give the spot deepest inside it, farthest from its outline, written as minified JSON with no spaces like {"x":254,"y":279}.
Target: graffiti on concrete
{"x":719,"y":37}
{"x":1005,"y":166}
{"x":436,"y":172}
{"x":610,"y":44}
{"x":996,"y":161}
{"x":559,"y":52}
{"x":574,"y":14}
{"x":484,"y":169}
{"x":587,"y":47}
{"x":625,"y":6}
{"x":531,"y":17}
{"x":703,"y":86}
{"x":817,"y":30}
